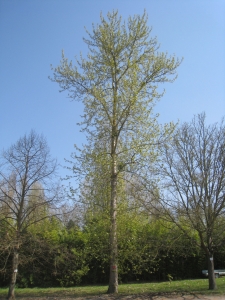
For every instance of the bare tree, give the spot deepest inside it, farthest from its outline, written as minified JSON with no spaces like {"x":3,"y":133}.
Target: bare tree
{"x":194,"y":180}
{"x":27,"y":191}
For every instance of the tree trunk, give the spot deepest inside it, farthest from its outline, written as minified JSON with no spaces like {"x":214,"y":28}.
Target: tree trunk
{"x":113,"y":277}
{"x":212,"y":280}
{"x":12,"y":283}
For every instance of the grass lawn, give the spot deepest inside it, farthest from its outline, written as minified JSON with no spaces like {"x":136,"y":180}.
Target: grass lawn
{"x":199,"y":286}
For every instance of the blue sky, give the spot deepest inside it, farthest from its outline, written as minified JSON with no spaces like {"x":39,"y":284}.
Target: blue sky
{"x":33,"y":34}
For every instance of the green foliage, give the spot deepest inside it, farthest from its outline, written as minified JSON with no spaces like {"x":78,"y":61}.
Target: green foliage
{"x":149,"y":249}
{"x":71,"y":262}
{"x":97,"y":232}
{"x":118,"y":85}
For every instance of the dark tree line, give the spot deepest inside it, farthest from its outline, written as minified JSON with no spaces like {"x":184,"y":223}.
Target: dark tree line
{"x":57,"y":254}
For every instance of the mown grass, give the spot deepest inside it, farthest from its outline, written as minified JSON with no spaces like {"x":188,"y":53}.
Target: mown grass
{"x":199,"y":286}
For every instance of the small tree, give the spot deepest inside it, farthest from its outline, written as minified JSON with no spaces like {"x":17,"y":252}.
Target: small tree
{"x":193,"y":173}
{"x":118,"y":86}
{"x":27,"y":191}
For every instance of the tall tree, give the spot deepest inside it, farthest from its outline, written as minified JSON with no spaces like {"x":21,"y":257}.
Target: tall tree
{"x":26,"y":190}
{"x":117,"y":84}
{"x":193,"y":173}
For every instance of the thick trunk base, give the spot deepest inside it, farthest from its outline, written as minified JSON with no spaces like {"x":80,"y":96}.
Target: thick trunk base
{"x":113,"y":281}
{"x":11,"y":295}
{"x":113,"y":288}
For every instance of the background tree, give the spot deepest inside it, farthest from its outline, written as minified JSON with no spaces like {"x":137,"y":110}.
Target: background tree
{"x":118,"y":86}
{"x":27,"y":191}
{"x":193,"y":173}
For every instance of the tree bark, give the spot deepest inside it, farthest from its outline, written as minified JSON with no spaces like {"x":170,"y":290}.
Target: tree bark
{"x":212,"y":280}
{"x":113,"y":276}
{"x":11,"y":292}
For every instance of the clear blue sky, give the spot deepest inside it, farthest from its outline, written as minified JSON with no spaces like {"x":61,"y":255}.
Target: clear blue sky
{"x":33,"y":33}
